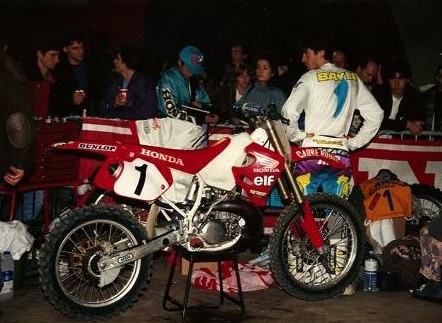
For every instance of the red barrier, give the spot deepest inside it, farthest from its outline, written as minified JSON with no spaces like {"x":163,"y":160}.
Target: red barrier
{"x":412,"y":161}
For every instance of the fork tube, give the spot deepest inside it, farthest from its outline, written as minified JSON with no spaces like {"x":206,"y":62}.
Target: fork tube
{"x":275,"y":141}
{"x":308,"y":222}
{"x":282,"y":189}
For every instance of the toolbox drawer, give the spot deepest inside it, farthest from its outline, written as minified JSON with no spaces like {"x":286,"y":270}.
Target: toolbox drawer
{"x":53,"y":176}
{"x":50,"y":165}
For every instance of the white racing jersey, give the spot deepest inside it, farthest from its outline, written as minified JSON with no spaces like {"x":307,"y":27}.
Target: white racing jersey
{"x":329,"y":96}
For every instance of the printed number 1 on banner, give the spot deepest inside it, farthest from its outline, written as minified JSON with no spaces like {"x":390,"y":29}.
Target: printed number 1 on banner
{"x":376,"y":198}
{"x":387,"y":194}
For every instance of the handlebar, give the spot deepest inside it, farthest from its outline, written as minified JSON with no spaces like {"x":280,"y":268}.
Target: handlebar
{"x":252,"y":111}
{"x":197,"y":109}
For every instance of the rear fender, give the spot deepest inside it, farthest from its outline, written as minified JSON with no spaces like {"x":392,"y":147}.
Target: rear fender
{"x":110,"y":152}
{"x":105,"y":149}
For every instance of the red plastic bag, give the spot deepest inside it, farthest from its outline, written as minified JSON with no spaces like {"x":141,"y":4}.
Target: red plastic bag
{"x":252,"y":278}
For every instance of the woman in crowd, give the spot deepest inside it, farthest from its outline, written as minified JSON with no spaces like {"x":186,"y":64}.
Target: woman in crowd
{"x":130,"y":95}
{"x":262,"y":92}
{"x":230,"y":93}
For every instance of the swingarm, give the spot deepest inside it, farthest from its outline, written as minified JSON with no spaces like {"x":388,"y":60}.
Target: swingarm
{"x":116,"y":260}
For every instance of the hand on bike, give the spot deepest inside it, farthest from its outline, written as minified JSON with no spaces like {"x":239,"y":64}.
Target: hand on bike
{"x":14,"y":175}
{"x":211,"y":119}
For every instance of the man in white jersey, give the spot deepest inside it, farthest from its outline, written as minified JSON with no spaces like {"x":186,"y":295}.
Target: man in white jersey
{"x":329,"y":96}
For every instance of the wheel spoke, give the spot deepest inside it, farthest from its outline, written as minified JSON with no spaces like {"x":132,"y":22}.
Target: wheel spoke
{"x":110,"y":232}
{"x":119,"y":234}
{"x":75,"y":245}
{"x":306,"y":271}
{"x":101,"y":293}
{"x":63,"y":278}
{"x":78,"y":288}
{"x":72,"y":282}
{"x":91,"y":294}
{"x":326,"y":220}
{"x":332,"y":229}
{"x":88,"y":236}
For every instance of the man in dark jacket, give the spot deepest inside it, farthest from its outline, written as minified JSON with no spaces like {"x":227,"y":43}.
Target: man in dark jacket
{"x":401,"y":102}
{"x":76,"y":78}
{"x":137,"y":100}
{"x":42,"y":65}
{"x":16,"y":134}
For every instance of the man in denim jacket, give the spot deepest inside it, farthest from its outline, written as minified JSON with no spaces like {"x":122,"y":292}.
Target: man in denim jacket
{"x":174,"y":89}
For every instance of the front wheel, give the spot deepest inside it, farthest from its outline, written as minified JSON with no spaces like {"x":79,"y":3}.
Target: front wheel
{"x":69,"y":274}
{"x":298,"y":268}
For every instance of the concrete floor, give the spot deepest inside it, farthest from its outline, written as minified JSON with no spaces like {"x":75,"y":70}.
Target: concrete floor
{"x":267,"y":306}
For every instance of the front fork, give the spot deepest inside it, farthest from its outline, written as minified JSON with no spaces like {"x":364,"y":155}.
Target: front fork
{"x":310,"y":226}
{"x":308,"y":223}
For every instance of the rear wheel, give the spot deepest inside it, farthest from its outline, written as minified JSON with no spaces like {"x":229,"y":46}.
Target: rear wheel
{"x":69,"y":274}
{"x":430,"y":201}
{"x":298,"y":268}
{"x":427,"y":203}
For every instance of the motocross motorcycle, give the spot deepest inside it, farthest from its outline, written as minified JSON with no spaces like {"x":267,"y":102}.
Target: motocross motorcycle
{"x":96,"y":260}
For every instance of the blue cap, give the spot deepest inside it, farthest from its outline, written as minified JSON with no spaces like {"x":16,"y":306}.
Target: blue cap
{"x":193,"y":59}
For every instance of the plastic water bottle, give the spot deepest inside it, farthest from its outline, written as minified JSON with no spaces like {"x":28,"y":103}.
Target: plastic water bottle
{"x":7,"y":266}
{"x":370,"y":273}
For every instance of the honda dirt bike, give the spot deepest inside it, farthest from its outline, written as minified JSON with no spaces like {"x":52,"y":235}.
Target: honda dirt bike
{"x":95,"y":262}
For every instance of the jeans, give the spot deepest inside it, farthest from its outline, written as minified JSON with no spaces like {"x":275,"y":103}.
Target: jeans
{"x":30,"y":206}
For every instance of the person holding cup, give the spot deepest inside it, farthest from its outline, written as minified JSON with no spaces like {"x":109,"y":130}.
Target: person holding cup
{"x":130,"y":95}
{"x":76,"y":78}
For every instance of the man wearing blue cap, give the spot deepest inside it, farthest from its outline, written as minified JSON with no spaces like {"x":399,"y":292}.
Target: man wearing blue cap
{"x":174,"y":89}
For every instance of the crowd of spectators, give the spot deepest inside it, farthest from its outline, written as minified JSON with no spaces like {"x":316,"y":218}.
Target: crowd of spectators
{"x":83,"y":81}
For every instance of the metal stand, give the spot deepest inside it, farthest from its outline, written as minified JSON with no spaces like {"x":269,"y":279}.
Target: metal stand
{"x":194,"y":257}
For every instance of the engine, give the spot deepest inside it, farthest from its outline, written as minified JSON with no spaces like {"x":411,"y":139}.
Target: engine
{"x":220,"y":227}
{"x":216,"y":227}
{"x":221,"y":220}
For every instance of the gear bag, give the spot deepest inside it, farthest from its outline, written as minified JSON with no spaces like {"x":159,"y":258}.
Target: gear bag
{"x":386,"y":197}
{"x":401,"y":264}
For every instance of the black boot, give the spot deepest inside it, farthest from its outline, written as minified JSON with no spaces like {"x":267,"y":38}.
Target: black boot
{"x":430,"y":290}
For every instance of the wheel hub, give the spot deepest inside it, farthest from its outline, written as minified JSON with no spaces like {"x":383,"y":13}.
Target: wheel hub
{"x":92,"y":265}
{"x":85,"y":264}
